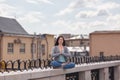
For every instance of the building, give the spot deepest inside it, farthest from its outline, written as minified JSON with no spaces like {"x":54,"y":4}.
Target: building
{"x":78,"y":45}
{"x":79,"y":40}
{"x":47,"y":43}
{"x":66,"y":36}
{"x":79,"y":51}
{"x":105,"y":43}
{"x":16,"y":43}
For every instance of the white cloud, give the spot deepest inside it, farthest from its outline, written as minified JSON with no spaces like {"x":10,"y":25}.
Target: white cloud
{"x":70,"y":25}
{"x":69,"y":9}
{"x":78,"y":26}
{"x":86,"y":14}
{"x":114,"y":21}
{"x":61,"y":23}
{"x":39,"y":1}
{"x":108,"y":5}
{"x":76,"y":4}
{"x":97,"y":24}
{"x":7,"y":10}
{"x":93,"y":4}
{"x":90,"y":13}
{"x":2,"y":0}
{"x":98,"y":14}
{"x":31,"y":17}
{"x":103,"y":12}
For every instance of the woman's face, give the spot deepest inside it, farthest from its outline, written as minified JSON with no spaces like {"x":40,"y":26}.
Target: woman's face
{"x":60,"y":41}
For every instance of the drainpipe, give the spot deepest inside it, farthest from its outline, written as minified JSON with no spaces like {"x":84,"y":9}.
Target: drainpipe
{"x":32,"y":48}
{"x":40,"y":51}
{"x":47,"y":44}
{"x":33,"y":39}
{"x":1,"y":36}
{"x":39,"y":47}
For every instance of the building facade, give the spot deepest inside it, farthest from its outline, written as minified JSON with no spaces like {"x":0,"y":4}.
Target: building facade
{"x":104,"y":43}
{"x":16,"y":43}
{"x":78,"y":41}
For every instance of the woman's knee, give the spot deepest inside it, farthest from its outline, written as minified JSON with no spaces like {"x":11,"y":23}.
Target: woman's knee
{"x":55,"y":64}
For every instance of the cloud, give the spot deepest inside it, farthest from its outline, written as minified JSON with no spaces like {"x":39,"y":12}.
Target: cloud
{"x":103,"y":12}
{"x":7,"y":10}
{"x":63,"y":26}
{"x":90,"y":13}
{"x":31,"y":18}
{"x":2,"y":0}
{"x":79,"y":26}
{"x":32,"y":21}
{"x":91,"y":4}
{"x":108,"y":5}
{"x":86,"y":14}
{"x":69,"y":9}
{"x":39,"y":1}
{"x":61,"y":23}
{"x":76,"y":4}
{"x":114,"y":21}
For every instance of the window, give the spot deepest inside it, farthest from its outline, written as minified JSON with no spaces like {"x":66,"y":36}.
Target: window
{"x":71,"y":42}
{"x":10,"y":48}
{"x":43,"y":49}
{"x":33,"y":48}
{"x":22,"y":48}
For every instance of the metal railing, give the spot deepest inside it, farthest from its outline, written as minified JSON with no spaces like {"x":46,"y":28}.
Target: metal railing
{"x":7,"y":66}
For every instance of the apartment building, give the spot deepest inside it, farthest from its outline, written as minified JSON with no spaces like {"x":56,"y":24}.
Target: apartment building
{"x":105,"y":43}
{"x":16,"y":43}
{"x":78,"y":41}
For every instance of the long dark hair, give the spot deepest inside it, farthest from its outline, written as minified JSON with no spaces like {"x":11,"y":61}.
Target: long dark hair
{"x":56,"y":43}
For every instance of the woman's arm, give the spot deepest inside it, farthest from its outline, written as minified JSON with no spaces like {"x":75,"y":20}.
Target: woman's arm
{"x":66,"y":52}
{"x":54,"y":54}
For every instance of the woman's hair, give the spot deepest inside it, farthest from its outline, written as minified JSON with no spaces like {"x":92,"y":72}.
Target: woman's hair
{"x":56,"y":43}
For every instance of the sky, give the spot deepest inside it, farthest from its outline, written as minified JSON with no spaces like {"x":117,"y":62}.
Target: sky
{"x":63,"y":16}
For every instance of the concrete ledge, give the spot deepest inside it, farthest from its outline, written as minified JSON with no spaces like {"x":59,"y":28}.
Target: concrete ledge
{"x":50,"y":74}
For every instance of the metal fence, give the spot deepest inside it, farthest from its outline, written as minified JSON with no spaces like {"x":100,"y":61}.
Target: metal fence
{"x":72,"y":76}
{"x":111,"y":73}
{"x":95,"y":74}
{"x":7,"y":66}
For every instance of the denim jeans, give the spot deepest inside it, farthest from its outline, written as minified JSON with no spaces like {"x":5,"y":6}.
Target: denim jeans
{"x":56,"y":64}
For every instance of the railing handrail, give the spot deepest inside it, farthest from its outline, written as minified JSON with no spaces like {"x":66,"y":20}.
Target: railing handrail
{"x":7,"y":66}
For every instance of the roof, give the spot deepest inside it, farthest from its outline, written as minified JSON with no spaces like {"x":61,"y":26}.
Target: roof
{"x":106,"y":32}
{"x":9,"y":25}
{"x":77,"y":49}
{"x":79,"y":37}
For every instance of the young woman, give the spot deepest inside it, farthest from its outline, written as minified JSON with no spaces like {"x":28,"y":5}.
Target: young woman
{"x":60,"y":53}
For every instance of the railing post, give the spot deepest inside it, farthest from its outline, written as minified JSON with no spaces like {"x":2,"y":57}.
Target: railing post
{"x":85,"y":75}
{"x":117,"y":72}
{"x":104,"y":74}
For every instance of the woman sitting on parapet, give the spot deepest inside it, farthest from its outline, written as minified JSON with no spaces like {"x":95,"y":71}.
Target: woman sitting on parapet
{"x":60,"y":53}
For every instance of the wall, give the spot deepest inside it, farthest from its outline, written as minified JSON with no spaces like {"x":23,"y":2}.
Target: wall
{"x":48,"y":41}
{"x":77,"y":42}
{"x":16,"y":54}
{"x":104,"y":42}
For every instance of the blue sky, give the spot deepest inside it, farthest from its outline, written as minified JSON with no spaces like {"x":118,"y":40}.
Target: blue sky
{"x":63,"y":16}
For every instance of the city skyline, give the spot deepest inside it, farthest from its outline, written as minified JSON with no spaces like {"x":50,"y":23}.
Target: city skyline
{"x":67,"y":16}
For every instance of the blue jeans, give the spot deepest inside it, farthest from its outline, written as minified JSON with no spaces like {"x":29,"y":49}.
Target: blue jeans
{"x":59,"y":64}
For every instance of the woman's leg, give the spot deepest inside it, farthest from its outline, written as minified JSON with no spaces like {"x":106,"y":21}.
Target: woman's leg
{"x":55,"y":64}
{"x":69,"y":65}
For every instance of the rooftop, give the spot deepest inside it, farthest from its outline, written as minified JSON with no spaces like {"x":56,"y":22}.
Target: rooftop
{"x":10,"y":25}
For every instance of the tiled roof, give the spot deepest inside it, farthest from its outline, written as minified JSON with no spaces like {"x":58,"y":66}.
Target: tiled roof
{"x":9,"y":25}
